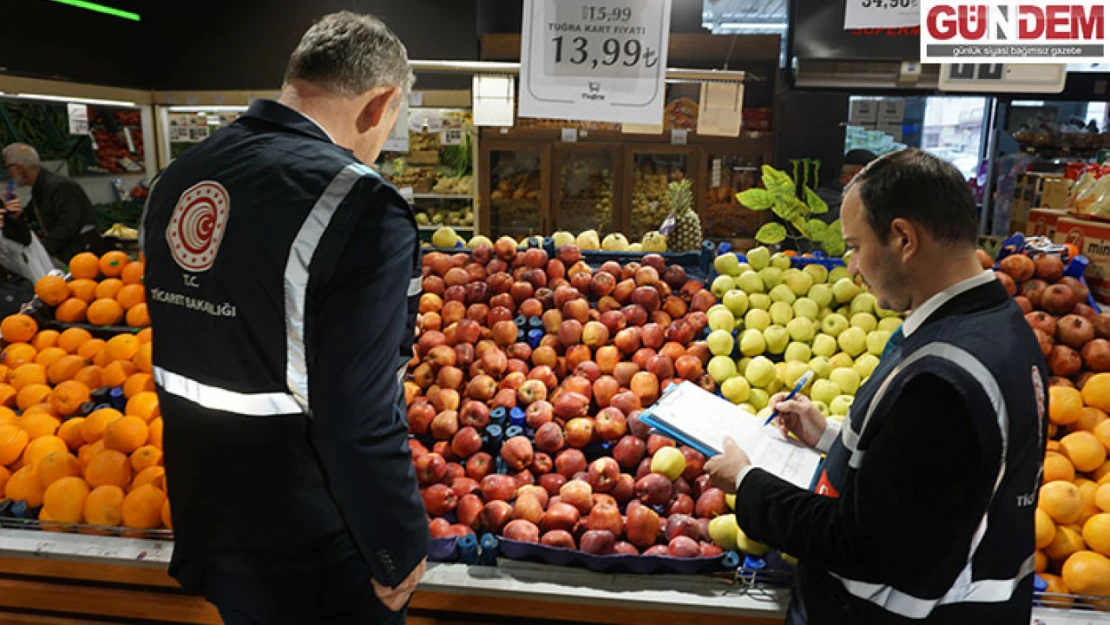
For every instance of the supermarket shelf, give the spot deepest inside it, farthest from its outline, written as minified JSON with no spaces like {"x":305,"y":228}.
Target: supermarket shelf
{"x":437,"y":227}
{"x":440,"y":196}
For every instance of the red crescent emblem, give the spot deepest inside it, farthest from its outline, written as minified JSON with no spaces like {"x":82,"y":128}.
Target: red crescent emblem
{"x":197,"y":225}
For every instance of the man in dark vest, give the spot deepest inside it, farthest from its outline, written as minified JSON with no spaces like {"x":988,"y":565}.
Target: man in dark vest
{"x":283,"y":276}
{"x":923,"y":512}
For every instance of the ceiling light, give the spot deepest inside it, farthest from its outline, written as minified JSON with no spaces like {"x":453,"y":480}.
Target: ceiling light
{"x":198,"y":109}
{"x":58,"y":98}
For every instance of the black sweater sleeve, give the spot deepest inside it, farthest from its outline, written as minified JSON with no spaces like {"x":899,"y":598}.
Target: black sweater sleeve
{"x":17,"y":230}
{"x":921,"y":475}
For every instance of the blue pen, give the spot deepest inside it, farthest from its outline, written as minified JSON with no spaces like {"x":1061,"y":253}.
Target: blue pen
{"x":806,"y":377}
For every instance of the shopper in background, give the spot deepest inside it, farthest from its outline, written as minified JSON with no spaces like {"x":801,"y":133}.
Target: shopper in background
{"x":833,"y":194}
{"x":284,"y":277}
{"x":924,"y":510}
{"x":59,"y":209}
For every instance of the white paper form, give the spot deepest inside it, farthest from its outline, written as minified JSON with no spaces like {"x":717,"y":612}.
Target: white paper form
{"x":694,"y":415}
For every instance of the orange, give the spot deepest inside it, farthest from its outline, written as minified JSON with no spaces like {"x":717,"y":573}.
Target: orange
{"x":138,"y":316}
{"x":155,"y":476}
{"x":116,"y":373}
{"x":83,"y":289}
{"x":55,"y":466}
{"x":7,"y":416}
{"x":1068,"y":540}
{"x":48,"y":356}
{"x":155,"y":437}
{"x":108,"y":288}
{"x":1096,"y":533}
{"x":72,"y":339}
{"x":1088,"y":573}
{"x":4,"y":475}
{"x":1059,"y":590}
{"x":1065,"y":404}
{"x":1088,"y":490}
{"x":24,"y":485}
{"x":1102,"y":431}
{"x":1101,"y":472}
{"x":65,"y":369}
{"x":30,"y":373}
{"x":90,"y":348}
{"x":7,"y":396}
{"x":1084,"y":450}
{"x":42,"y":407}
{"x":1089,"y":418}
{"x":1057,"y":467}
{"x":32,"y":394}
{"x":18,"y":328}
{"x":145,"y":335}
{"x":126,"y":434}
{"x":104,"y":506}
{"x":144,"y":358}
{"x":13,"y":440}
{"x":68,"y":397}
{"x":142,"y":508}
{"x":108,"y":467}
{"x":91,"y":376}
{"x":70,"y":432}
{"x":72,"y":310}
{"x":5,"y":372}
{"x":95,"y":424}
{"x":112,"y":263}
{"x":17,"y":354}
{"x":138,"y":383}
{"x":167,"y":517}
{"x":41,"y":447}
{"x":144,"y":405}
{"x":1062,"y":501}
{"x":52,"y":290}
{"x":64,"y":500}
{"x":44,"y":339}
{"x":1102,"y":497}
{"x":133,"y":273}
{"x":102,"y":359}
{"x":84,"y":265}
{"x":39,"y":423}
{"x":145,"y":457}
{"x":131,"y":295}
{"x":1040,"y":561}
{"x":1046,"y":529}
{"x":122,"y":347}
{"x":105,"y":312}
{"x":1097,"y":392}
{"x":88,"y":452}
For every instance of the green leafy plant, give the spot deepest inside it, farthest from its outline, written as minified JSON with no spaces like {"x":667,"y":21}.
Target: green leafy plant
{"x":780,"y":196}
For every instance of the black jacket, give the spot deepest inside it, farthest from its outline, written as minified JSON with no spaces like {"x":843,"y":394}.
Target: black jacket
{"x":279,"y":273}
{"x":59,"y":209}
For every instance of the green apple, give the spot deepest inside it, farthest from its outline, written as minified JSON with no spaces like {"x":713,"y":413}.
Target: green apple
{"x":805,"y":307}
{"x":825,"y":312}
{"x":885,"y":313}
{"x":793,"y":372}
{"x":771,"y":277}
{"x":853,"y":341}
{"x":760,"y":373}
{"x":736,"y":389}
{"x":864,"y":321}
{"x":731,"y":501}
{"x":757,"y":319}
{"x":821,"y":366}
{"x":721,"y":368}
{"x":845,"y":290}
{"x":742,"y":364}
{"x":759,"y":400}
{"x":840,"y":405}
{"x":824,"y":391}
{"x":775,"y":386}
{"x":837,"y":274}
{"x":847,"y":379}
{"x":822,"y":294}
{"x":727,"y":264}
{"x":824,"y":345}
{"x":561,"y":238}
{"x":834,"y":325}
{"x":718,"y":306}
{"x":876,"y":342}
{"x":762,"y":301}
{"x":750,"y":282}
{"x":780,"y":260}
{"x":818,"y":272}
{"x":759,"y":257}
{"x":721,"y":319}
{"x":801,"y":329}
{"x":777,"y":339}
{"x":782,"y":293}
{"x":865,"y":365}
{"x":845,"y":311}
{"x":797,"y":352}
{"x":720,"y":342}
{"x":749,"y":546}
{"x":752,"y":342}
{"x":821,"y":406}
{"x":840,"y":359}
{"x":722,"y":285}
{"x":736,"y":301}
{"x":669,"y":461}
{"x":781,"y":313}
{"x":723,"y":530}
{"x":799,"y":281}
{"x":890,"y":324}
{"x":864,"y":303}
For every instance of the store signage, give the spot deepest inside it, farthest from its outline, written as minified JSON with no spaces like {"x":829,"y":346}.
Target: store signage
{"x":881,"y":13}
{"x":78,"y":118}
{"x":492,"y":98}
{"x":594,"y":60}
{"x":1033,"y":31}
{"x":720,"y":109}
{"x":398,"y":139}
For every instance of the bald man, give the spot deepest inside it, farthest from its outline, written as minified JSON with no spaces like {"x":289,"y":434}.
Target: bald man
{"x":59,"y":208}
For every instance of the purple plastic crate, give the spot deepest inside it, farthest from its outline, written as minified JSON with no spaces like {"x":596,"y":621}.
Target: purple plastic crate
{"x":534,"y":552}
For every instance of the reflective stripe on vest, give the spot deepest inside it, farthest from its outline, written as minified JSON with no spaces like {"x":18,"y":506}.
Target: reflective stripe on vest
{"x":964,"y":588}
{"x":296,"y":276}
{"x":215,"y":398}
{"x":416,"y":286}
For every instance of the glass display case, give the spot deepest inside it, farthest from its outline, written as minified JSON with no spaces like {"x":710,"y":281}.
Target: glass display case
{"x":515,"y":177}
{"x":724,"y":175}
{"x":648,"y":172}
{"x":586,"y":188}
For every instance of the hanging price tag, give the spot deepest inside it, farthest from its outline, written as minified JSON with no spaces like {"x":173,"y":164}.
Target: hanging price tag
{"x":715,"y":173}
{"x":594,"y":60}
{"x":78,"y":118}
{"x":881,"y":14}
{"x":679,"y":136}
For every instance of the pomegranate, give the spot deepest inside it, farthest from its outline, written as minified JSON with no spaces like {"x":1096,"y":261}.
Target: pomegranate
{"x":1018,"y":266}
{"x":1034,"y":289}
{"x":1074,"y":331}
{"x":1064,"y":362}
{"x":1044,"y":322}
{"x":1059,"y":299}
{"x":1102,"y":326}
{"x":1096,"y":355}
{"x":1076,"y":285}
{"x":1049,"y":267}
{"x":1007,"y":282}
{"x":1044,"y":340}
{"x":1024,"y":304}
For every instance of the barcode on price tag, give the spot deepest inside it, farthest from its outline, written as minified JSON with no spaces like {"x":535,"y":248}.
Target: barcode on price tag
{"x":451,"y":136}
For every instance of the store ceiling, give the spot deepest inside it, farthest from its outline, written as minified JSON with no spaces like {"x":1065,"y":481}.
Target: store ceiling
{"x":744,"y":15}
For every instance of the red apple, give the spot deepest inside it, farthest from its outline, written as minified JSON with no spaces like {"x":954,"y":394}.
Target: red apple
{"x":610,"y":424}
{"x":531,"y":391}
{"x":603,"y":474}
{"x":550,"y":438}
{"x":595,"y":334}
{"x":604,"y":389}
{"x":627,"y":402}
{"x":505,"y":398}
{"x":654,"y":489}
{"x":466,"y":442}
{"x":517,"y":453}
{"x":582,"y":386}
{"x":440,"y":528}
{"x":417,"y":449}
{"x":656,"y":442}
{"x":420,"y":416}
{"x":702,"y":300}
{"x":541,"y":464}
{"x":469,"y":511}
{"x":597,"y":542}
{"x":445,"y":425}
{"x":569,"y":462}
{"x":430,"y":468}
{"x":607,"y":358}
{"x":578,"y":309}
{"x":576,"y":356}
{"x":569,"y":405}
{"x":646,"y":276}
{"x":711,"y":504}
{"x":465,"y":486}
{"x":504,"y":333}
{"x":494,"y":362}
{"x":602,"y":284}
{"x":561,"y":539}
{"x":689,"y":367}
{"x":629,"y":451}
{"x":579,"y":431}
{"x":646,"y":387}
{"x":652,"y":336}
{"x":578,"y":493}
{"x":497,"y":487}
{"x":539,"y":413}
{"x":635,"y":314}
{"x":552,"y":482}
{"x":681,"y":504}
{"x":656,"y":550}
{"x":528,"y":507}
{"x":681,"y":525}
{"x":454,"y":469}
{"x":439,"y":499}
{"x":479,"y":465}
{"x":643,"y":526}
{"x":522,"y":530}
{"x":544,"y":357}
{"x":588,"y":370}
{"x":605,"y":515}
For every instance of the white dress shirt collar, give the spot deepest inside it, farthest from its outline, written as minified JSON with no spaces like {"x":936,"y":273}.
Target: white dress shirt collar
{"x":921,"y":314}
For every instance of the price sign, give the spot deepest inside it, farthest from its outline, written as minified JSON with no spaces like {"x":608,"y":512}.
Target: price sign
{"x":78,"y":118}
{"x":398,"y":139}
{"x":594,"y":60}
{"x":881,"y":13}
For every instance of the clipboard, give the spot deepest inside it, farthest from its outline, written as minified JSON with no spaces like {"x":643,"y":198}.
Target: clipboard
{"x":697,"y":418}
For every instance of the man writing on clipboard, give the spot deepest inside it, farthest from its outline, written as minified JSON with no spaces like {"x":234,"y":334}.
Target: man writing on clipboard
{"x":924,"y":510}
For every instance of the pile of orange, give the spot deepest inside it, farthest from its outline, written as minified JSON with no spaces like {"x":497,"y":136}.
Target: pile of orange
{"x":1073,"y":510}
{"x":103,"y":291}
{"x":104,"y":468}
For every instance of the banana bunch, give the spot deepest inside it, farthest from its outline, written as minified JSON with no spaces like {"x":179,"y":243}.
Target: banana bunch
{"x":121,"y":231}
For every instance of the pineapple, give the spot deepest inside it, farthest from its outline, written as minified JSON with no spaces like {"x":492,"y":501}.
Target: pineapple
{"x":687,"y":232}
